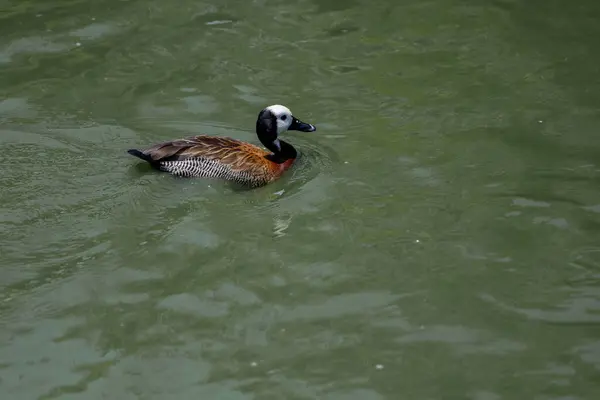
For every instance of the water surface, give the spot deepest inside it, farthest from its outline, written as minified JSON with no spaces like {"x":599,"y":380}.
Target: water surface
{"x":438,"y":239}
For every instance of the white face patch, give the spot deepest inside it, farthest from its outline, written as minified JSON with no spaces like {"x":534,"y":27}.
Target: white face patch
{"x":283,"y":115}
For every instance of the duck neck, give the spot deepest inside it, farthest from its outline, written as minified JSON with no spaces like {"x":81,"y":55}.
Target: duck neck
{"x":282,"y":154}
{"x":281,"y":150}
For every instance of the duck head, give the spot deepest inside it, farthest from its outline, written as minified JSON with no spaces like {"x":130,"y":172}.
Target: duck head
{"x":274,"y":120}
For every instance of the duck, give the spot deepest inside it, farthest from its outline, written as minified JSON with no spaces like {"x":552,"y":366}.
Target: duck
{"x":229,"y":159}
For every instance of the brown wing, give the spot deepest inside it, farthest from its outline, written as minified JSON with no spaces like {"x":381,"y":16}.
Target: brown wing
{"x":236,"y":154}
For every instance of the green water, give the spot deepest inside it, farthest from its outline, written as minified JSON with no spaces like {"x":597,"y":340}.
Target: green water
{"x":438,"y":239}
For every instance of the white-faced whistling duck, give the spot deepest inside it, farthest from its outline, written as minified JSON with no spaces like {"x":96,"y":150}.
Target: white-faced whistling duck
{"x":230,"y":159}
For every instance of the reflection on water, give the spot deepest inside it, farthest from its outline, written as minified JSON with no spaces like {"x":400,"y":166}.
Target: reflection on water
{"x":437,"y":237}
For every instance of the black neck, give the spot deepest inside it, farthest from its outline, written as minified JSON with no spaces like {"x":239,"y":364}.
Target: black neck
{"x":280,"y":156}
{"x":266,"y":130}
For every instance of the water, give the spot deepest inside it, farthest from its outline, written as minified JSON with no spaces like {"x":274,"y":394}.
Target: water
{"x":438,"y":239}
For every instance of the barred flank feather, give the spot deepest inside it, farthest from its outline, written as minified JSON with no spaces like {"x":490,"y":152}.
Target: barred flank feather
{"x":200,"y":167}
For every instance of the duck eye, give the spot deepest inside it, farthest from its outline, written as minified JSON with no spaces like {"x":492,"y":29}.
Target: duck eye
{"x":283,"y":117}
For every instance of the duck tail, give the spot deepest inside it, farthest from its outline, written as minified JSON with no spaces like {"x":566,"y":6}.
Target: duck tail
{"x":142,"y":155}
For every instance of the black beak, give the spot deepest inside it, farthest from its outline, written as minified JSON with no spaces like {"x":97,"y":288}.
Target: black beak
{"x":298,"y":125}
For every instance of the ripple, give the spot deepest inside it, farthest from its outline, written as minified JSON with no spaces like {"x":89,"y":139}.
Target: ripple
{"x":16,"y":108}
{"x":189,"y":304}
{"x":315,"y":158}
{"x":341,"y":29}
{"x":590,"y":353}
{"x":201,"y":104}
{"x":32,"y":45}
{"x":557,"y":222}
{"x":347,"y":69}
{"x":188,"y":231}
{"x":363,"y":394}
{"x":95,"y":31}
{"x":341,"y":305}
{"x":326,"y":6}
{"x":214,"y":18}
{"x":236,"y":294}
{"x":250,"y":95}
{"x":594,"y":208}
{"x":580,"y":308}
{"x":463,"y":339}
{"x":32,"y":351}
{"x":522,"y":202}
